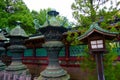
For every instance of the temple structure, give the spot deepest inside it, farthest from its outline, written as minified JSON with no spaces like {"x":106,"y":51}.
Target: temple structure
{"x":47,"y":53}
{"x":69,"y":56}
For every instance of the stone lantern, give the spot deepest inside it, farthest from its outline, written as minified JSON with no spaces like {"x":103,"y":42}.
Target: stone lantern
{"x":2,"y":49}
{"x":17,"y":36}
{"x":52,"y":30}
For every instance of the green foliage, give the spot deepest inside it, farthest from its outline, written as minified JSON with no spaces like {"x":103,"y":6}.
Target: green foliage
{"x":21,"y":13}
{"x":64,"y":21}
{"x":109,"y":67}
{"x":113,"y":29}
{"x":104,"y":24}
{"x":88,"y":11}
{"x":116,"y":70}
{"x":41,"y":15}
{"x":3,"y":19}
{"x":88,"y":65}
{"x":69,"y":39}
{"x":82,"y":30}
{"x":84,"y":8}
{"x":88,"y":62}
{"x":72,"y":38}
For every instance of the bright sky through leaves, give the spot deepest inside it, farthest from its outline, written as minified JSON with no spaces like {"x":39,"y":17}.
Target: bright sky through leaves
{"x":62,"y":6}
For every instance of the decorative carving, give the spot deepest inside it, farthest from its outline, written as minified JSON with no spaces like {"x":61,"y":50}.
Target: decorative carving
{"x":36,"y":23}
{"x":53,"y":35}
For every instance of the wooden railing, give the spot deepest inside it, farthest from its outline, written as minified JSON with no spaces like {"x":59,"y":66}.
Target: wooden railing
{"x":67,"y":62}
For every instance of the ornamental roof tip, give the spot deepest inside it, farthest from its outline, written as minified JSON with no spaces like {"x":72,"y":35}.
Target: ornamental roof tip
{"x":2,"y":37}
{"x":18,"y":31}
{"x":96,"y":27}
{"x":53,"y":21}
{"x":36,"y":37}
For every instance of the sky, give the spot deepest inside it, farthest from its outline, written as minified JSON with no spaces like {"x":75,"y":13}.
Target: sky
{"x":62,"y":6}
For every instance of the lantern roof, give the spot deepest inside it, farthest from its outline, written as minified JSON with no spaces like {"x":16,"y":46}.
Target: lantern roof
{"x":94,"y":28}
{"x":18,"y":31}
{"x":36,"y":36}
{"x":52,"y":21}
{"x":2,"y":37}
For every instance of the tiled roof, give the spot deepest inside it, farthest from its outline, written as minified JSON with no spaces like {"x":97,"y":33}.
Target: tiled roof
{"x":18,"y":31}
{"x":2,"y":37}
{"x":52,"y":22}
{"x":36,"y":37}
{"x":95,"y":27}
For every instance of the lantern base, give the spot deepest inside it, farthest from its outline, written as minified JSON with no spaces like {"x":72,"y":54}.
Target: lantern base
{"x":53,"y":72}
{"x":65,"y":77}
{"x":2,"y":66}
{"x":17,"y":67}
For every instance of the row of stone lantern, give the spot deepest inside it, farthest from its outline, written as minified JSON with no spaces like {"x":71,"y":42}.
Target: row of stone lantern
{"x":2,"y":49}
{"x":52,"y":31}
{"x":16,"y":68}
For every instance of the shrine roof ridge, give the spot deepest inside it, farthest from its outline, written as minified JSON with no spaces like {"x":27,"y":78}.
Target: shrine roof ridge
{"x":95,"y":27}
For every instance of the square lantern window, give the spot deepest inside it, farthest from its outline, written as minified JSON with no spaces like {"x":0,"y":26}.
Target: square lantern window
{"x":97,"y":44}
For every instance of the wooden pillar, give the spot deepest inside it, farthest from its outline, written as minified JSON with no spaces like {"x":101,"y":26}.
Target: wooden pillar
{"x":34,"y":51}
{"x":67,"y":54}
{"x":99,"y":62}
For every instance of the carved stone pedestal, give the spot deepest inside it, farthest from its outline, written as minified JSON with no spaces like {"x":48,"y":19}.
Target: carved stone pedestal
{"x":2,"y":65}
{"x":16,"y":67}
{"x":53,"y":71}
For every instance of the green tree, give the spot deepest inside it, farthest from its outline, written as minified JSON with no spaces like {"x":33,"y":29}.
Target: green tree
{"x":16,"y":10}
{"x":111,"y":66}
{"x":3,"y":15}
{"x":88,"y":65}
{"x":88,"y":11}
{"x":41,"y":15}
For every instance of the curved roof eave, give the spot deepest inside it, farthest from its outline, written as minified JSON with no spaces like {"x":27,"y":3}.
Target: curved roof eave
{"x":96,"y":28}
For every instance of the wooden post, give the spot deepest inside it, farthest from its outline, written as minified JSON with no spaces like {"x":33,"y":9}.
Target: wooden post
{"x":67,"y":52}
{"x":99,"y":62}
